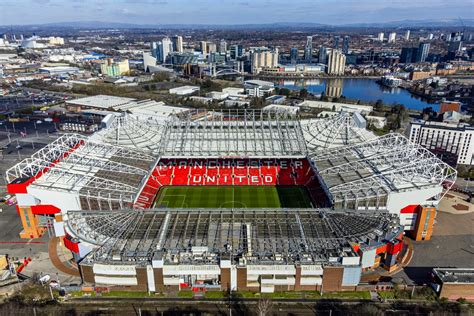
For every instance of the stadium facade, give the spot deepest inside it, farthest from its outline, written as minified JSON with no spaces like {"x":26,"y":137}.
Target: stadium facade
{"x":99,"y":193}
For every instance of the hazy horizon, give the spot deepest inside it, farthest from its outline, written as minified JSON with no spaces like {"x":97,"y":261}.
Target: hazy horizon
{"x":227,"y":12}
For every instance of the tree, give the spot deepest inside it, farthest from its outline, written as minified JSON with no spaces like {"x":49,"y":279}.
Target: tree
{"x":379,"y":105}
{"x":303,"y":93}
{"x":284,"y":91}
{"x":264,"y":306}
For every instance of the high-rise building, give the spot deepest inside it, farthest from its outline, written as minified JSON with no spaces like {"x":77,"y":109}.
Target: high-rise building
{"x":308,"y":49}
{"x":336,"y":62}
{"x":236,"y":51}
{"x":345,"y":45}
{"x":263,"y":58}
{"x":203,"y":47}
{"x":323,"y":55}
{"x":336,"y":42}
{"x":380,"y":37}
{"x":166,"y":48}
{"x":392,"y":37}
{"x":408,"y":55}
{"x":430,"y":36}
{"x":422,"y":52}
{"x":222,"y":47}
{"x":455,"y":46}
{"x":407,"y":35}
{"x":177,"y":43}
{"x":211,"y":47}
{"x":294,"y":55}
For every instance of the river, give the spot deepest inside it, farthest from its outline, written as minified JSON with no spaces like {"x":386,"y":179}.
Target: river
{"x":365,"y":90}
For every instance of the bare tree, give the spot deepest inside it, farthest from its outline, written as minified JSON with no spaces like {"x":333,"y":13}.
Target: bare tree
{"x":264,"y":306}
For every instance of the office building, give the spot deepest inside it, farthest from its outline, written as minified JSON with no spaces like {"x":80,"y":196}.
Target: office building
{"x":454,"y":143}
{"x":203,"y":47}
{"x":236,"y":51}
{"x":294,"y":55}
{"x":308,"y":49}
{"x":336,"y":63}
{"x":345,"y":45}
{"x":184,"y":58}
{"x":407,"y":35}
{"x":336,"y":42}
{"x":430,"y":36}
{"x":422,"y":52}
{"x":263,"y":58}
{"x":112,"y":68}
{"x":392,"y":37}
{"x":258,"y":88}
{"x":455,"y":47}
{"x":323,"y":55}
{"x":223,"y":47}
{"x":380,"y":37}
{"x":177,"y":43}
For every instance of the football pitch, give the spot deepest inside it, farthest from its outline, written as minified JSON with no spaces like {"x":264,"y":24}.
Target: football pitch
{"x":233,"y":197}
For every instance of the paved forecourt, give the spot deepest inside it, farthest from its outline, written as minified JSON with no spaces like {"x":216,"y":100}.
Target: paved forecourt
{"x":233,"y":197}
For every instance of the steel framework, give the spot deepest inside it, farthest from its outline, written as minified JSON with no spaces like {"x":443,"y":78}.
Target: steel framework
{"x":375,"y":168}
{"x":73,"y":164}
{"x":259,"y":235}
{"x":243,"y":133}
{"x":339,"y":130}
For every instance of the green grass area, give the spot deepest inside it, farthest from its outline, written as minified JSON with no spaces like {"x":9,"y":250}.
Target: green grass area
{"x":185,"y":294}
{"x":233,"y":197}
{"x":348,"y":295}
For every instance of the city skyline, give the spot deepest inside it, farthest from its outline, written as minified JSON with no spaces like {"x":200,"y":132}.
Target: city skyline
{"x":227,"y":12}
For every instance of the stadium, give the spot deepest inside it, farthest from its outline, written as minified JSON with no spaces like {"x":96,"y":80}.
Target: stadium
{"x":231,"y":200}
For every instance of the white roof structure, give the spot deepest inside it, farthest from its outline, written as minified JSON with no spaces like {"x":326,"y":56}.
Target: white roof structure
{"x":342,"y":129}
{"x":364,"y":174}
{"x":105,"y":176}
{"x":101,"y":101}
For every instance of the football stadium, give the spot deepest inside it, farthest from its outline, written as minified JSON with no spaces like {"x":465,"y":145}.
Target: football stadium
{"x":231,"y":200}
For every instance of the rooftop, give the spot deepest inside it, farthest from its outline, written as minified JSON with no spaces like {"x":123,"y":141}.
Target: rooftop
{"x":273,"y":236}
{"x":455,"y":275}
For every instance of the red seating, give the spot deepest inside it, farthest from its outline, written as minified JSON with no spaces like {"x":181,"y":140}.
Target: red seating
{"x":230,"y":172}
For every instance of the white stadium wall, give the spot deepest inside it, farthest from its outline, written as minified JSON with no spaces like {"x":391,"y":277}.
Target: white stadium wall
{"x":397,"y":201}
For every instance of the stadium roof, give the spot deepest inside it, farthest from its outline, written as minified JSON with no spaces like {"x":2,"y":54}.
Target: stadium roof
{"x":98,"y":172}
{"x":272,"y":236}
{"x":245,"y":133}
{"x":339,"y":130}
{"x":375,"y":168}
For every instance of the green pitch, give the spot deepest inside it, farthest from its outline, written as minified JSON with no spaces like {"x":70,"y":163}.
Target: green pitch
{"x":233,"y":197}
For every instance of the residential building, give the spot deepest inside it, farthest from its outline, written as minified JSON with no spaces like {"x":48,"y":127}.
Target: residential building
{"x":454,"y":143}
{"x":407,"y":35}
{"x":177,"y":43}
{"x":392,"y":37}
{"x":112,"y":68}
{"x":408,"y":55}
{"x":336,"y":63}
{"x":380,"y":37}
{"x":211,"y":48}
{"x":203,"y":47}
{"x":263,"y":58}
{"x":308,"y":50}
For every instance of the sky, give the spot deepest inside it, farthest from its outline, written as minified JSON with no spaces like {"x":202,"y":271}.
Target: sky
{"x":334,"y":12}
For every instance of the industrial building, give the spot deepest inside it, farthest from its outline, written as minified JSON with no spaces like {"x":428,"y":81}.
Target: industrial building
{"x":98,"y":195}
